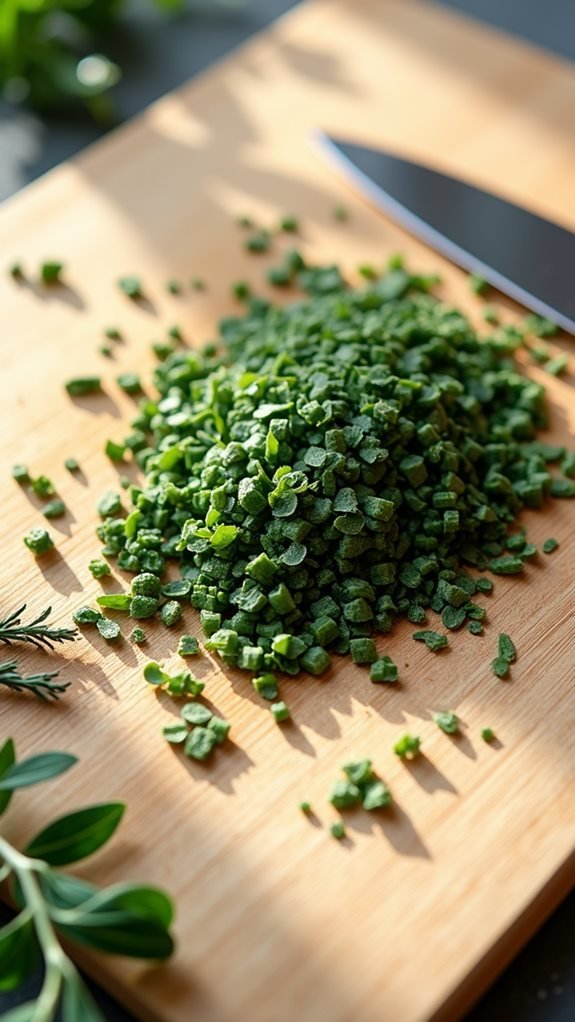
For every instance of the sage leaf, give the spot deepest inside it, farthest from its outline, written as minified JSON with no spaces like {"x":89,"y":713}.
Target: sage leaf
{"x":62,"y":891}
{"x":120,"y":933}
{"x":7,"y":760}
{"x":76,"y":836}
{"x":36,"y":769}
{"x":135,"y":900}
{"x":18,"y":951}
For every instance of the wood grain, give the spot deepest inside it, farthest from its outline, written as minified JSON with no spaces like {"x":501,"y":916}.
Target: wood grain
{"x":411,"y":916}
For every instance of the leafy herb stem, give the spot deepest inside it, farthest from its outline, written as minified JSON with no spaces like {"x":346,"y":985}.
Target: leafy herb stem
{"x":58,"y":965}
{"x":36,"y":632}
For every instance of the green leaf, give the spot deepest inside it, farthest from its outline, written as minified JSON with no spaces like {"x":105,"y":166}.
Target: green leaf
{"x":18,"y":951}
{"x":62,"y":891}
{"x":77,"y":1003}
{"x":36,"y":769}
{"x":134,"y":899}
{"x":77,"y":835}
{"x":7,"y":760}
{"x":120,"y":933}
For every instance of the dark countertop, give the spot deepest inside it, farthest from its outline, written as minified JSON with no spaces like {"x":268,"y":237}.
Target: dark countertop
{"x":158,"y":54}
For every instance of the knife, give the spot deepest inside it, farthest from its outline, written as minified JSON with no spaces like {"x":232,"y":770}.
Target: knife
{"x":528,"y":258}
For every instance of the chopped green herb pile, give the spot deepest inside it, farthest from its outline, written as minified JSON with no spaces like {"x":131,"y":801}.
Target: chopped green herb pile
{"x":337,"y":467}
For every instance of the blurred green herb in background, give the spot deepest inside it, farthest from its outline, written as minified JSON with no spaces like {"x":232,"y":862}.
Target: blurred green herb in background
{"x":49,"y":52}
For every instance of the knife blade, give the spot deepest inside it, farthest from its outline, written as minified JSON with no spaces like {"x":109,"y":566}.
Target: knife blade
{"x":528,"y":258}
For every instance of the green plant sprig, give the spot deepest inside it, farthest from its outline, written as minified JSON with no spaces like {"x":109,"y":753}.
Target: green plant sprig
{"x":124,"y":919}
{"x":41,"y":685}
{"x":36,"y":632}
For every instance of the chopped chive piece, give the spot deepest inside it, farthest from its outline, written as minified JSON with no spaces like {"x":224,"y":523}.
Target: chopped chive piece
{"x":175,"y":333}
{"x":241,"y":290}
{"x":448,"y":722}
{"x":540,"y":326}
{"x":171,"y":613}
{"x":407,"y":747}
{"x":266,"y":686}
{"x":279,"y":276}
{"x":99,"y":569}
{"x":490,"y":315}
{"x":433,"y":640}
{"x":337,"y":830}
{"x":146,"y":584}
{"x":50,"y":271}
{"x":487,"y":734}
{"x":43,"y":487}
{"x":129,"y":382}
{"x":550,"y":545}
{"x":345,"y":794}
{"x":556,"y":366}
{"x":114,"y":451}
{"x":108,"y":629}
{"x":363,"y":651}
{"x":162,"y":350}
{"x":54,"y":509}
{"x":16,"y":271}
{"x":245,"y":221}
{"x":506,"y":565}
{"x":568,"y":464}
{"x":563,"y":488}
{"x":20,"y":474}
{"x":86,"y":616}
{"x":154,"y":674}
{"x":500,"y":666}
{"x":83,"y":385}
{"x":131,"y":286}
{"x":112,"y":333}
{"x":259,"y":242}
{"x":173,"y":287}
{"x":507,"y":647}
{"x":197,"y":284}
{"x":384,"y":670}
{"x":39,"y":541}
{"x":305,"y":807}
{"x":105,"y":350}
{"x":477,"y":284}
{"x":376,"y":795}
{"x":188,"y":645}
{"x":109,"y":505}
{"x":137,"y":636}
{"x":71,"y":464}
{"x":475,"y":627}
{"x":125,"y":482}
{"x":196,"y":713}
{"x":175,"y":733}
{"x":280,"y":712}
{"x":178,"y":589}
{"x":220,"y":727}
{"x":200,"y":743}
{"x":340,"y":213}
{"x":114,"y":601}
{"x":142,"y":607}
{"x":289,"y":224}
{"x":367,"y":271}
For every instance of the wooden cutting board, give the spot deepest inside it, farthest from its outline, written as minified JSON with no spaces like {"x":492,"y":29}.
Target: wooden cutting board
{"x":418,"y":910}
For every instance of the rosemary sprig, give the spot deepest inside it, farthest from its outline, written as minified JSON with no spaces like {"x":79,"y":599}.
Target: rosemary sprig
{"x":40,"y":685}
{"x":36,"y":632}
